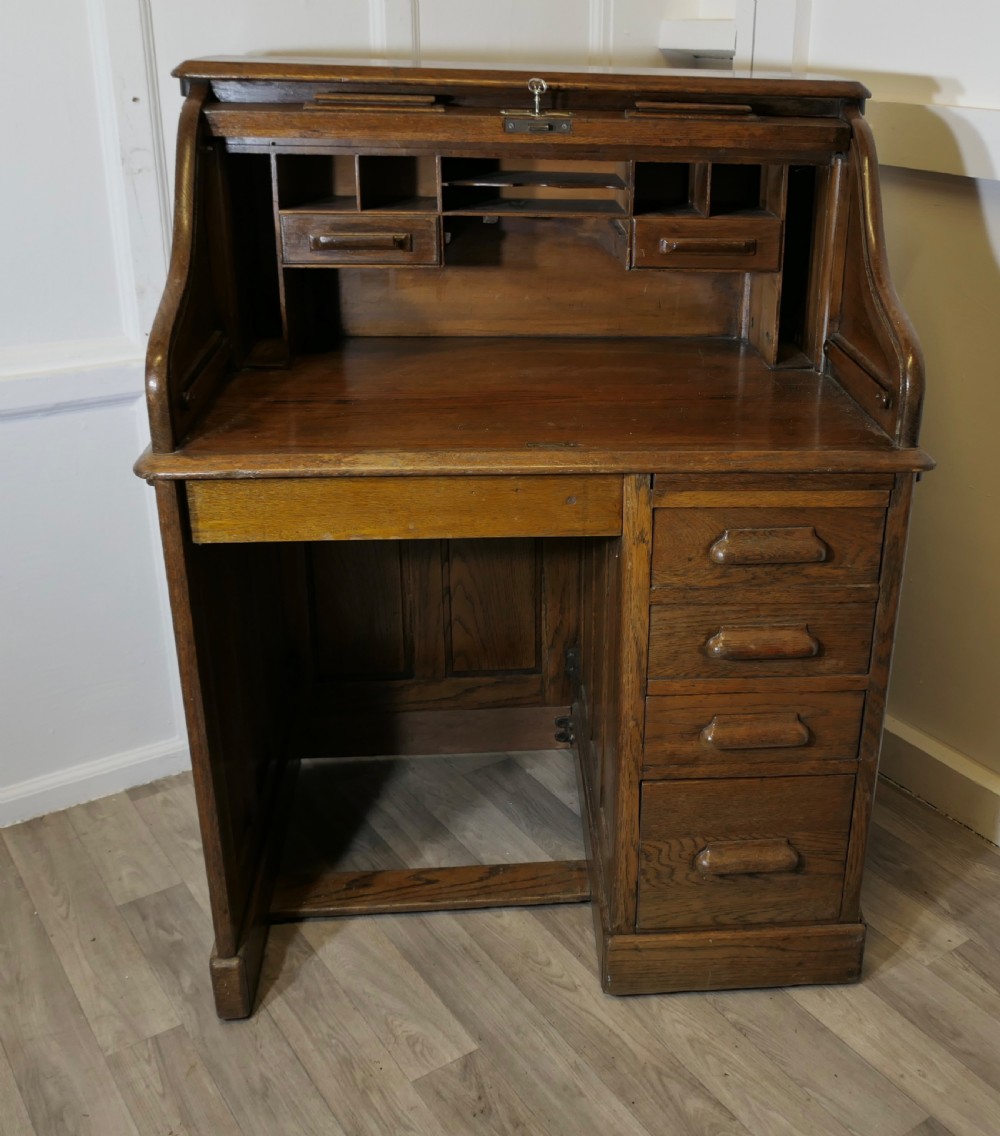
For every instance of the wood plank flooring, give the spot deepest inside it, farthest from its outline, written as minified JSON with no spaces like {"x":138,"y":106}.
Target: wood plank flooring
{"x":482,"y":1022}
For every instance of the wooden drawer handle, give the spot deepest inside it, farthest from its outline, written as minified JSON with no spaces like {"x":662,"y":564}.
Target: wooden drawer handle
{"x":792,"y":545}
{"x":746,"y":857}
{"x":707,"y":245}
{"x":360,"y":242}
{"x":756,"y":731}
{"x":744,"y":643}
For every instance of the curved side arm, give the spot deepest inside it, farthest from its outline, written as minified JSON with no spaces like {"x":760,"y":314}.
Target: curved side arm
{"x":891,"y":326}
{"x":160,"y":397}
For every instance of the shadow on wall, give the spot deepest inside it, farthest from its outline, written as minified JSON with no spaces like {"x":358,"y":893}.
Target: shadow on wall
{"x":943,"y":240}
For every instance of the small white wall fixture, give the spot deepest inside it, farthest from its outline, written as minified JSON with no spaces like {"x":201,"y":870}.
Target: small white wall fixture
{"x":742,"y":35}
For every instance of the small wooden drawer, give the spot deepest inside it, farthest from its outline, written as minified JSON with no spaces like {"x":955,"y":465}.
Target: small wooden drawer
{"x":401,"y":508}
{"x":738,"y":243}
{"x":696,"y":735}
{"x":742,"y":851}
{"x":766,"y":549}
{"x":726,"y":640}
{"x":336,"y":238}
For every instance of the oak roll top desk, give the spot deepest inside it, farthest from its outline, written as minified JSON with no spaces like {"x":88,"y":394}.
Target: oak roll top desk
{"x":478,"y":400}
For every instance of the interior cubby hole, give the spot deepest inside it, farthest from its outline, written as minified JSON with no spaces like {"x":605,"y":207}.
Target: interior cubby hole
{"x":258,"y":304}
{"x":796,"y":265}
{"x":539,"y":186}
{"x":398,"y":183}
{"x":662,"y":187}
{"x":734,"y":188}
{"x":327,"y":181}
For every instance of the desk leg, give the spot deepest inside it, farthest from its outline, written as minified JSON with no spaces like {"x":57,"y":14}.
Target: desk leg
{"x":233,"y":656}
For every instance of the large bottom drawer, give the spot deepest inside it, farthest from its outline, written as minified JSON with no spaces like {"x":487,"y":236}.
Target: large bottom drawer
{"x":742,"y":851}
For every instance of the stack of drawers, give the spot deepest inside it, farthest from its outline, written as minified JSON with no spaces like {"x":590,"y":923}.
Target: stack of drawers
{"x":762,"y":611}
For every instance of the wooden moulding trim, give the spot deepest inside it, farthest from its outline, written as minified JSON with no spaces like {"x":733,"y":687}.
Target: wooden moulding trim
{"x":836,"y":490}
{"x":179,"y":274}
{"x":896,"y":332}
{"x":178,"y":466}
{"x":728,"y":960}
{"x":671,"y":686}
{"x":776,"y":592}
{"x":343,"y":71}
{"x":430,"y":889}
{"x":667,"y":497}
{"x":663,"y":770}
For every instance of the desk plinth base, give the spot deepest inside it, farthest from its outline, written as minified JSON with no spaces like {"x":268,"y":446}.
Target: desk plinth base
{"x":730,"y":960}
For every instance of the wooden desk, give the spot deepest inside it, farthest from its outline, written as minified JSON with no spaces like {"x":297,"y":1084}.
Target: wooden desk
{"x":471,"y":416}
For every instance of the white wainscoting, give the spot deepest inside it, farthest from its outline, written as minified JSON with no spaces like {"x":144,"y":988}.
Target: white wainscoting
{"x":949,"y":780}
{"x":90,"y":697}
{"x":89,"y":687}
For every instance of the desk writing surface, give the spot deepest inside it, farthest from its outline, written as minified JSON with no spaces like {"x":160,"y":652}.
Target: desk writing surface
{"x":591,"y":404}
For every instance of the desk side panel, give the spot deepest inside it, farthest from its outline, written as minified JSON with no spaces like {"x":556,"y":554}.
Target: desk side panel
{"x":872,"y":349}
{"x":233,"y":649}
{"x":191,"y":343}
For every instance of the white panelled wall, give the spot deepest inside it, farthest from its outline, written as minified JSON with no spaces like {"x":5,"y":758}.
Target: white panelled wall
{"x":87,"y":671}
{"x":87,"y":677}
{"x":936,"y":107}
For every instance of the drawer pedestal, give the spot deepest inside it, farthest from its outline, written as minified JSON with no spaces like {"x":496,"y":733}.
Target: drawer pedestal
{"x":728,"y":824}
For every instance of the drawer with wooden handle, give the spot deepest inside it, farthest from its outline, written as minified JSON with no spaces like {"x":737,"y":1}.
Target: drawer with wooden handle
{"x":754,"y":640}
{"x":706,"y":734}
{"x":742,"y":851}
{"x":336,"y":238}
{"x":739,"y":243}
{"x":766,"y":549}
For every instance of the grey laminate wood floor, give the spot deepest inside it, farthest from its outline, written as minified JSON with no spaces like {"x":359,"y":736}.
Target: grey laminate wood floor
{"x":483,"y":1022}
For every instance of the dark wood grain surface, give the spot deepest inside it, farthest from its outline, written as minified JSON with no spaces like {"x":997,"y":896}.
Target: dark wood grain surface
{"x":680,"y":821}
{"x":749,"y":729}
{"x":767,"y":550}
{"x":755,"y":640}
{"x":423,"y":889}
{"x":398,"y":405}
{"x":723,"y":960}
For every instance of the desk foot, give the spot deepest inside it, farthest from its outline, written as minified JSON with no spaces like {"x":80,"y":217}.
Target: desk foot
{"x":235,"y":977}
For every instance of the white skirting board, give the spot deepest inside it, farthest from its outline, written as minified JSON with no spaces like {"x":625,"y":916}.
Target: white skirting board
{"x":953,"y":783}
{"x":92,"y":779}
